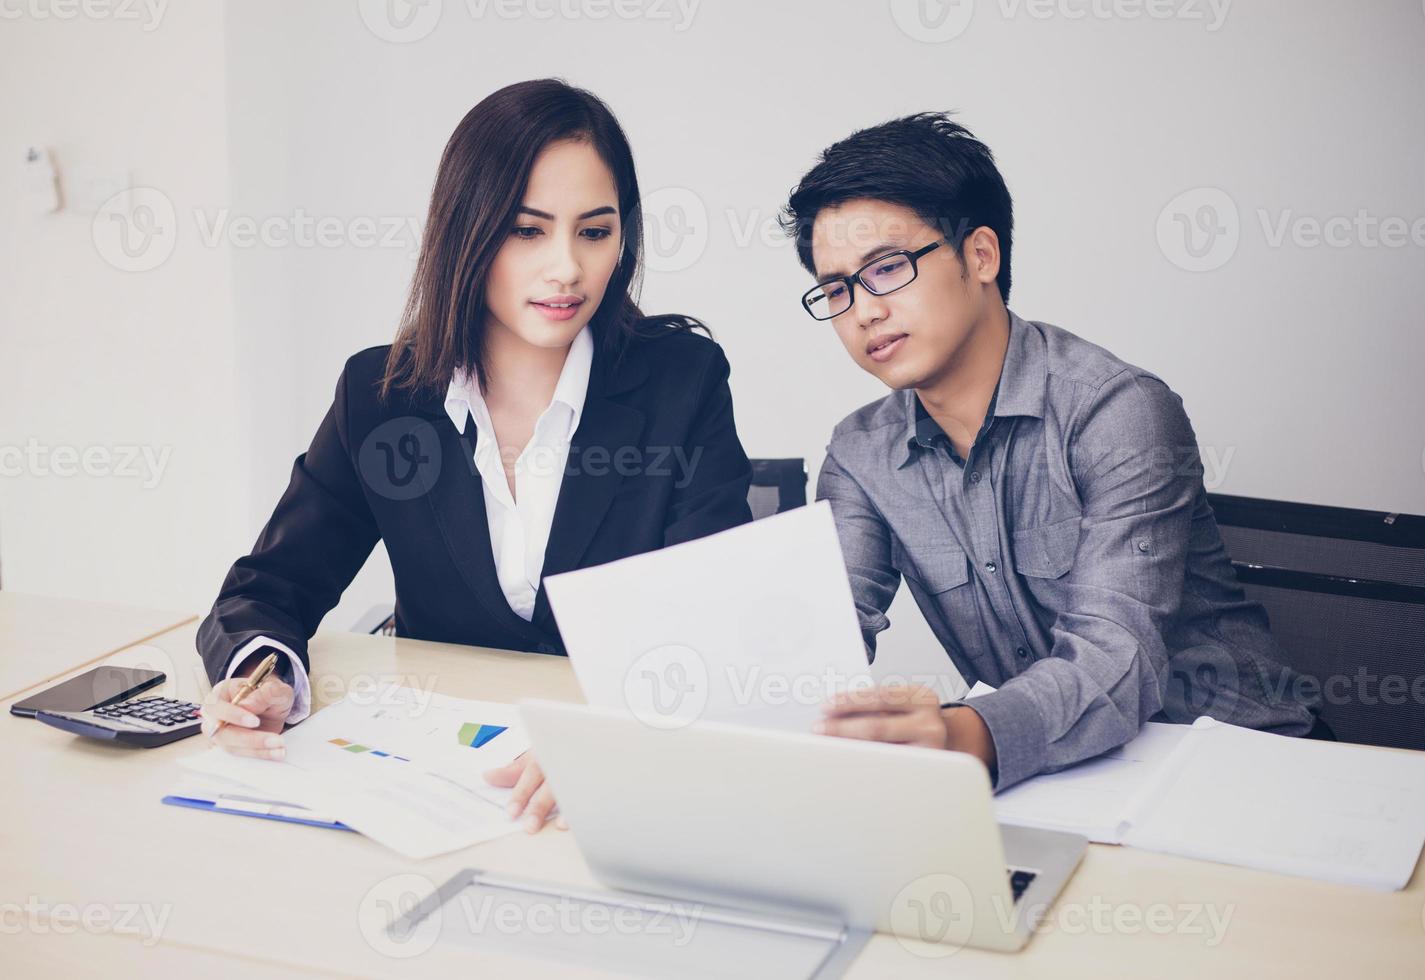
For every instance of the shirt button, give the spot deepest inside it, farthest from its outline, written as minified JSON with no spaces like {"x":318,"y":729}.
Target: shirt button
{"x":1022,"y":653}
{"x":975,"y":476}
{"x":991,"y":567}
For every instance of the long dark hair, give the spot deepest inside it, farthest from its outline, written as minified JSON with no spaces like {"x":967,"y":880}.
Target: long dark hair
{"x":479,"y":187}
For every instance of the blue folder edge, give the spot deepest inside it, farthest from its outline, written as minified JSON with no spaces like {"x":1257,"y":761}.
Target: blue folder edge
{"x":213,"y":807}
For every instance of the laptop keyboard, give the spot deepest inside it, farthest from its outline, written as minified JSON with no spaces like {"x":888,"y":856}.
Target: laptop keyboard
{"x":1019,"y":880}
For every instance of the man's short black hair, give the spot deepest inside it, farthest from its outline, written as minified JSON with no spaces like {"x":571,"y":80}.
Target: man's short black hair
{"x":926,"y":163}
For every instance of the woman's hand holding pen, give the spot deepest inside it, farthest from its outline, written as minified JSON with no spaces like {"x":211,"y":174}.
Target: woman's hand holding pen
{"x":253,"y":728}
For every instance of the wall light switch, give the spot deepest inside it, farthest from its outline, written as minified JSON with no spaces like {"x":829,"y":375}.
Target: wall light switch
{"x":40,"y":184}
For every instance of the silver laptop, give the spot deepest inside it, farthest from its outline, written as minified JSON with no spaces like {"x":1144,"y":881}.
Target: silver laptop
{"x":873,"y":836}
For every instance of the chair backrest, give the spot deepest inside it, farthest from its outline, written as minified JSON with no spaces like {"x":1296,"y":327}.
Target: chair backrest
{"x":777,"y":485}
{"x":1345,"y":592}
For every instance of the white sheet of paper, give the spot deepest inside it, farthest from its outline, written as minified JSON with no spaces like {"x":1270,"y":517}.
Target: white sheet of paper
{"x":1217,"y":792}
{"x":754,"y":625}
{"x":1327,"y":810}
{"x":1098,"y":797}
{"x":403,"y":779}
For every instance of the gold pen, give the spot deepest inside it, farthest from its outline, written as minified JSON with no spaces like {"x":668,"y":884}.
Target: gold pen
{"x":251,"y":684}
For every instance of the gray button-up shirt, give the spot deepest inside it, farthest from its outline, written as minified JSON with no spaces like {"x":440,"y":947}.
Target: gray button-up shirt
{"x":1072,"y":560}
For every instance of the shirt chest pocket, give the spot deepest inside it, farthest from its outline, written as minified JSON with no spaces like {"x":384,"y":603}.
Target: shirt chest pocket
{"x":935,"y":570}
{"x":1047,"y":551}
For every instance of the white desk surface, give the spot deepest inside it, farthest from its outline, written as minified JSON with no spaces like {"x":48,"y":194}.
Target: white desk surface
{"x":256,"y":897}
{"x":43,"y":637}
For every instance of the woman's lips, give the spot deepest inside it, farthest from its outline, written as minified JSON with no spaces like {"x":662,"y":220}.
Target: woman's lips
{"x":886,"y":348}
{"x":558,"y":311}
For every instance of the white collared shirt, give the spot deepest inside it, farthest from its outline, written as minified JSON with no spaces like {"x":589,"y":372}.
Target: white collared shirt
{"x":519,"y":524}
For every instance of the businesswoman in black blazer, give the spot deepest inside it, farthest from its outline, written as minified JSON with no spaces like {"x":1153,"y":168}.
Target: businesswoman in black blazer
{"x":528,"y":420}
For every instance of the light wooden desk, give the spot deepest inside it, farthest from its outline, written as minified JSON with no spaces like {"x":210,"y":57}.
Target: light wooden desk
{"x":85,"y":827}
{"x":43,"y":637}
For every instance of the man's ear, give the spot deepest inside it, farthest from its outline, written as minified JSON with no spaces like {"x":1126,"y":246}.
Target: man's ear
{"x":980,"y":254}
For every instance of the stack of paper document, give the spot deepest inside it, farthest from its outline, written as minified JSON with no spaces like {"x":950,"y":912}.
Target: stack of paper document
{"x":754,"y":625}
{"x":400,"y":765}
{"x":1216,"y":792}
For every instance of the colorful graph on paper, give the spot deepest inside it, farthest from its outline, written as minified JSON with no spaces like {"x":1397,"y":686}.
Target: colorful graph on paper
{"x":350,"y":746}
{"x":475,"y":734}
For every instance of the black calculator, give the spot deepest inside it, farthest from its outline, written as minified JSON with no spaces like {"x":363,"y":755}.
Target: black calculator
{"x":146,"y":722}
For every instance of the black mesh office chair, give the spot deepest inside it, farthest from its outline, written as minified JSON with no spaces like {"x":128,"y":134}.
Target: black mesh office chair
{"x":1345,"y":592}
{"x":777,"y":485}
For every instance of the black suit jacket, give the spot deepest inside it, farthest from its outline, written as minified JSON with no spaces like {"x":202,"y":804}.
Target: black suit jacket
{"x":655,"y":461}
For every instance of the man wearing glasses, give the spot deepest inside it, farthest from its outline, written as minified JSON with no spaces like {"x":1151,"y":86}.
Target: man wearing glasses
{"x":1042,"y":498}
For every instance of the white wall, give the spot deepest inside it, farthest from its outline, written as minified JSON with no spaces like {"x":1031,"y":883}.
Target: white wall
{"x":1298,"y":364}
{"x":100,"y":360}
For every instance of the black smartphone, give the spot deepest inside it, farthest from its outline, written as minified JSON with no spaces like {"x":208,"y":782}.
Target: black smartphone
{"x":102,"y":685}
